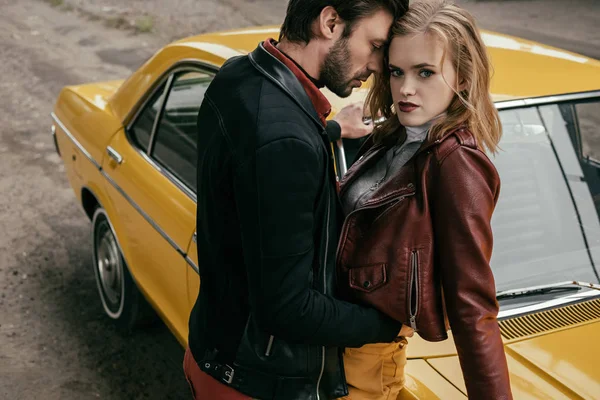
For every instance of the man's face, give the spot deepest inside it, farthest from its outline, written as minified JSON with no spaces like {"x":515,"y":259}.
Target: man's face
{"x":353,"y":59}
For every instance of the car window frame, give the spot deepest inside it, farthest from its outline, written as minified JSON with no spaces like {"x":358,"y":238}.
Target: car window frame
{"x":165,"y":81}
{"x":171,"y":88}
{"x":580,"y":138}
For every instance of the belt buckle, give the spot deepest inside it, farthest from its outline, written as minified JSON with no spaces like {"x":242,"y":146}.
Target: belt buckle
{"x":228,"y":373}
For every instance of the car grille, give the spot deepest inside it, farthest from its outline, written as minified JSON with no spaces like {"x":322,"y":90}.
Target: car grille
{"x":544,"y":321}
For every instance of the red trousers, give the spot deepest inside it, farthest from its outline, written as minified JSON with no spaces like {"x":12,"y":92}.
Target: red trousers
{"x":204,"y":386}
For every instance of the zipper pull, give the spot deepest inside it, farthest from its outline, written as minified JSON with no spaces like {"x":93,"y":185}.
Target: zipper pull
{"x":413,"y":322}
{"x":376,"y":184}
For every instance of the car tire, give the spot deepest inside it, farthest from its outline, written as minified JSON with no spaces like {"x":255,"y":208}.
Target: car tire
{"x":121,"y":299}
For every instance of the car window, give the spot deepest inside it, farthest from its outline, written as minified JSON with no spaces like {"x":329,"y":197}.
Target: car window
{"x":175,"y":146}
{"x":546,"y":227}
{"x":141,"y":130}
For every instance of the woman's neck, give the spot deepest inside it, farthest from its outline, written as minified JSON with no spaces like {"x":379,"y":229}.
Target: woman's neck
{"x":419,"y":133}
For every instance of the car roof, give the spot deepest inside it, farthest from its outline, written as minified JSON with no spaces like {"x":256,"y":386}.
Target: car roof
{"x":522,"y":68}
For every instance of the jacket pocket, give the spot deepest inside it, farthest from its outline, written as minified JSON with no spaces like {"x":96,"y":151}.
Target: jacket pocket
{"x":369,"y":278}
{"x":413,"y":289}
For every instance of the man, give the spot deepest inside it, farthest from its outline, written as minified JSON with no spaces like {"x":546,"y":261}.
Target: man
{"x":265,"y":324}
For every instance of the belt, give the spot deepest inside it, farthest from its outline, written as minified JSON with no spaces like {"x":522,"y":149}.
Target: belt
{"x":258,"y":384}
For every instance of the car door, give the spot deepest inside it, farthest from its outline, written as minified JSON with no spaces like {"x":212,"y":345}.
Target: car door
{"x":154,"y":169}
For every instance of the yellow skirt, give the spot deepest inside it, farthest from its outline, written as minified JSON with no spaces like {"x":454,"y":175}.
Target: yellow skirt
{"x":375,"y":371}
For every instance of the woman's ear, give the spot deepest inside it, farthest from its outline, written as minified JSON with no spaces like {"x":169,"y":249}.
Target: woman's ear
{"x":462,"y":85}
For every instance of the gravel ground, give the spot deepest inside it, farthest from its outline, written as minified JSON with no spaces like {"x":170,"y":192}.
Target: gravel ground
{"x":567,"y":24}
{"x":55,"y":342}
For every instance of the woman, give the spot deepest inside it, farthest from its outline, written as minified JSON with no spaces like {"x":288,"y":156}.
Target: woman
{"x":417,"y":241}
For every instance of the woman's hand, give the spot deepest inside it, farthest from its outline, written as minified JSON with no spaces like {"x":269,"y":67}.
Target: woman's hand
{"x":405,"y":332}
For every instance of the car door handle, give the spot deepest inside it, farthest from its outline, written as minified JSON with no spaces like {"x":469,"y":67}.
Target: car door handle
{"x":112,"y":153}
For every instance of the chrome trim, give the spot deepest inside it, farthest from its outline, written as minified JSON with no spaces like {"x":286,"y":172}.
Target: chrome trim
{"x":112,"y":153}
{"x":195,"y":237}
{"x":160,"y":112}
{"x":54,"y":140}
{"x":342,"y":157}
{"x":518,"y":291}
{"x":554,"y":303}
{"x":143,"y":214}
{"x":167,"y":174}
{"x":99,"y":211}
{"x":109,"y":223}
{"x":192,"y":264}
{"x":75,"y":141}
{"x":535,"y":101}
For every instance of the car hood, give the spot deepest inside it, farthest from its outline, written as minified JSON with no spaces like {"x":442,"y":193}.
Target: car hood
{"x":557,"y":364}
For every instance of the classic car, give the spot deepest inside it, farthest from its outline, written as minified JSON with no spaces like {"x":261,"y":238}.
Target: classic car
{"x":129,"y":148}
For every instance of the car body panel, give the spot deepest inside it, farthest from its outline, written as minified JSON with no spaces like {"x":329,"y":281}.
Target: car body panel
{"x":154,"y":219}
{"x":559,"y":364}
{"x":164,"y":225}
{"x":424,"y":382}
{"x":569,"y":356}
{"x":90,"y":125}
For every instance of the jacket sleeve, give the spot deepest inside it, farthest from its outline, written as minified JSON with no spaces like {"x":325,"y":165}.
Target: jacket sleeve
{"x":466,"y":191}
{"x":289,"y":176}
{"x":334,"y":131}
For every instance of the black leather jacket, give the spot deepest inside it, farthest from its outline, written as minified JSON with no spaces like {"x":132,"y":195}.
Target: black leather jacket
{"x":266,"y":321}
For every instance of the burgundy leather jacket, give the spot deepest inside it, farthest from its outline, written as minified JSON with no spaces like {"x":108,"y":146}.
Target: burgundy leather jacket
{"x":419,"y":251}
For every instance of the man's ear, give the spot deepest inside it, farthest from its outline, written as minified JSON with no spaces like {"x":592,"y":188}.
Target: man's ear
{"x":329,"y":24}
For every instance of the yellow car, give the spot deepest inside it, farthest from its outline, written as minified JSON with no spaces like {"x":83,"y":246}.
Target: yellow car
{"x":129,"y":148}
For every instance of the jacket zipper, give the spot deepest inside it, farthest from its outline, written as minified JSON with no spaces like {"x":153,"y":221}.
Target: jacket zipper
{"x":269,"y":346}
{"x":324,"y":285}
{"x":414,"y":290}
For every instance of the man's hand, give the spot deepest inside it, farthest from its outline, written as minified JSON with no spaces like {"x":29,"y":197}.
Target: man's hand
{"x":350,"y":119}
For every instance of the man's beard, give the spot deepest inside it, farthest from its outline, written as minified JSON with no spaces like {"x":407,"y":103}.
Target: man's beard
{"x":336,"y":69}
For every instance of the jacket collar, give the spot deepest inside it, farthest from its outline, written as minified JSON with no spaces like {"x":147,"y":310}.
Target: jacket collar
{"x":371,"y":152}
{"x":429,"y":143}
{"x":280,"y":75}
{"x":367,"y":156}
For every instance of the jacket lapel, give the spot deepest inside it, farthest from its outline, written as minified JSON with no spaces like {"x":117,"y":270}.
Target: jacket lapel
{"x":366,"y":160}
{"x":285,"y":79}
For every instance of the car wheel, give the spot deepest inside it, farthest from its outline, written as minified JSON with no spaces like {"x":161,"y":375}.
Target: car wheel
{"x":121,"y":299}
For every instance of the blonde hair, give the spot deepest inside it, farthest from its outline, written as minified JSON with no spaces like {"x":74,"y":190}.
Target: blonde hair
{"x":472,"y":106}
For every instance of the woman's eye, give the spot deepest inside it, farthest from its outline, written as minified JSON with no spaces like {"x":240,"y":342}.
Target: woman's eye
{"x":426,"y":73}
{"x":396,"y":73}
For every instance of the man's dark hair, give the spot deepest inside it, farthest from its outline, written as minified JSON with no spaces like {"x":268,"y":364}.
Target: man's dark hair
{"x":297,"y":26}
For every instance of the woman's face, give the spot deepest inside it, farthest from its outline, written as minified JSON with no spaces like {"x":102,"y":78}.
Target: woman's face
{"x":419,"y":88}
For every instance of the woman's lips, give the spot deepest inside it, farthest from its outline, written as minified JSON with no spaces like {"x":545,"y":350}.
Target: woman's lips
{"x":407,"y":107}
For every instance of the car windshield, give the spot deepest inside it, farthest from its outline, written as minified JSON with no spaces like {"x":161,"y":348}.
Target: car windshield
{"x":546,"y":226}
